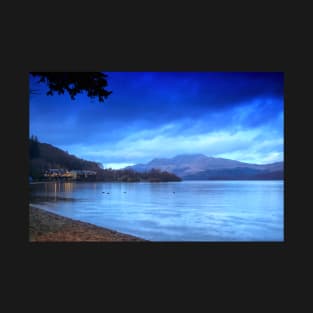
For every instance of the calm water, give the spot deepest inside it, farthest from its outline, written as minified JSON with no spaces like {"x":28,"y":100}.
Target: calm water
{"x":173,"y":211}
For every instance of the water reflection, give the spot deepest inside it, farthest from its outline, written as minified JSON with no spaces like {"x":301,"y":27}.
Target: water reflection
{"x":68,"y":187}
{"x":183,"y":211}
{"x":52,"y":191}
{"x":55,"y":187}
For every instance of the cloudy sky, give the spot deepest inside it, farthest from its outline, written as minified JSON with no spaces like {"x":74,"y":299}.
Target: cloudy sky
{"x":162,"y":114}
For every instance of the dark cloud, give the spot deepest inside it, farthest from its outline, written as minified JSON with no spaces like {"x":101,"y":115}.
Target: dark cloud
{"x":193,"y":103}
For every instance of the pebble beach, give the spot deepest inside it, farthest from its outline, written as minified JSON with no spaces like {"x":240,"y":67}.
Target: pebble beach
{"x":49,"y":227}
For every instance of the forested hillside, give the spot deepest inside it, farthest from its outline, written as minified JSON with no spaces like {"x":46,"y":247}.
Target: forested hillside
{"x":43,"y":156}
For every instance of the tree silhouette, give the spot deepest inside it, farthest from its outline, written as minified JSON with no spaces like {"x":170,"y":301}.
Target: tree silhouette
{"x":34,"y":151}
{"x":73,"y":83}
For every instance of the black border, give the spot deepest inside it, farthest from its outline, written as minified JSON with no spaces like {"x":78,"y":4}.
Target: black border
{"x":119,"y":48}
{"x":196,"y":244}
{"x":201,"y":244}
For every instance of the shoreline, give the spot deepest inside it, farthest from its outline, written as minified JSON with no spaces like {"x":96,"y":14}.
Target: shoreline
{"x":45,"y":226}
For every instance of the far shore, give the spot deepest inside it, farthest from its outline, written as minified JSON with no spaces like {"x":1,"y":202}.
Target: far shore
{"x":49,"y":227}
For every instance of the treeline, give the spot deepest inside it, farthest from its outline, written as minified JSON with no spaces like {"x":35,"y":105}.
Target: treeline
{"x":44,"y":156}
{"x":128,"y":175}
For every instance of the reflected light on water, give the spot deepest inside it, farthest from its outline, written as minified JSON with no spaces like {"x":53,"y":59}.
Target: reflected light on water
{"x":68,"y":187}
{"x":59,"y":187}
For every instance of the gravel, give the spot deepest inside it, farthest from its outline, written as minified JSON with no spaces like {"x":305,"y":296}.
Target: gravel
{"x":46,"y":227}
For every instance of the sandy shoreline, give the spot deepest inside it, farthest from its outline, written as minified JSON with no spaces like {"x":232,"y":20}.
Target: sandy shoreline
{"x":49,"y":227}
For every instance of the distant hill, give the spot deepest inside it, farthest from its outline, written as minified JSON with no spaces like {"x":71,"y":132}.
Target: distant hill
{"x":239,"y":173}
{"x":44,"y":156}
{"x":199,"y":166}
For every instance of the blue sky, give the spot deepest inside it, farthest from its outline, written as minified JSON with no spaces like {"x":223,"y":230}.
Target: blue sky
{"x":162,"y":114}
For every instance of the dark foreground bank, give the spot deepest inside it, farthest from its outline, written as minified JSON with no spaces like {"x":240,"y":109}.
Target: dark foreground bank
{"x":45,"y":226}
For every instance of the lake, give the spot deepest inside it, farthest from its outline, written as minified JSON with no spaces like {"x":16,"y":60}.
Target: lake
{"x":172,"y":211}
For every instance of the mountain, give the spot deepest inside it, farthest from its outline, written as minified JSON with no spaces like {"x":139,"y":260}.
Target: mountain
{"x":199,"y":166}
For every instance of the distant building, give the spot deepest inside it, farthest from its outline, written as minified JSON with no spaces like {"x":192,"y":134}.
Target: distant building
{"x":57,"y":173}
{"x":77,"y":174}
{"x":65,"y":174}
